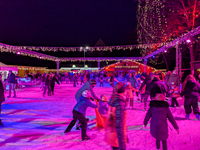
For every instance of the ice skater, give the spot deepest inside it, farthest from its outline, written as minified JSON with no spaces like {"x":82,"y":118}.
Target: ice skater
{"x":103,"y":106}
{"x":159,"y":112}
{"x":47,"y":85}
{"x":129,"y":95}
{"x":53,"y":80}
{"x":191,"y":92}
{"x":79,"y":113}
{"x":2,"y":98}
{"x":11,"y":82}
{"x":116,"y":130}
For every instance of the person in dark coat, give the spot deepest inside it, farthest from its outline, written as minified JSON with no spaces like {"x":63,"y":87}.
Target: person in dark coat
{"x":134,"y":84}
{"x":79,"y":113}
{"x":159,"y":112}
{"x":2,"y":98}
{"x":146,"y":82}
{"x":54,"y":79}
{"x":191,"y":92}
{"x":117,"y":105}
{"x":11,"y":82}
{"x":47,"y":85}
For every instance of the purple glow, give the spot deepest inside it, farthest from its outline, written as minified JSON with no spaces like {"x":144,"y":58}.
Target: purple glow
{"x":18,"y":53}
{"x":188,"y":40}
{"x":153,"y":56}
{"x":165,"y":51}
{"x":40,"y":57}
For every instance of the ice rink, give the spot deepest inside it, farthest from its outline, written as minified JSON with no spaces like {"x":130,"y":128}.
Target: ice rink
{"x":36,"y":122}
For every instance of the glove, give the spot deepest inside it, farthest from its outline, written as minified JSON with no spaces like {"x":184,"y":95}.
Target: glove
{"x":92,"y":99}
{"x":98,"y":100}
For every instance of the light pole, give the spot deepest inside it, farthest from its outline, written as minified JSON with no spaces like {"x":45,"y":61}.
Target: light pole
{"x":84,"y":54}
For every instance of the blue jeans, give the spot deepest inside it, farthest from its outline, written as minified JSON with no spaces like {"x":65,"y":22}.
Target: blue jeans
{"x":11,"y":86}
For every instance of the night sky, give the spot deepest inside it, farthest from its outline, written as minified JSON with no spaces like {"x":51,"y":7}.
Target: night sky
{"x":65,"y":23}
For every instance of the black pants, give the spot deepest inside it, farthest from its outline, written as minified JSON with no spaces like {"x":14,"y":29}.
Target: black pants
{"x":74,"y":83}
{"x":164,"y":144}
{"x":174,"y":100}
{"x":191,"y":102}
{"x":146,"y":96}
{"x":78,"y":116}
{"x":101,"y":84}
{"x":47,"y":87}
{"x":52,"y":87}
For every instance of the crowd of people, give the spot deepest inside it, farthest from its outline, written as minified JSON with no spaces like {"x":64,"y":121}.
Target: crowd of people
{"x":163,"y":92}
{"x":114,"y":111}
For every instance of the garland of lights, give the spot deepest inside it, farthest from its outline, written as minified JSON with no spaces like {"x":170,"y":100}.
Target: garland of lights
{"x":79,"y":49}
{"x":20,"y":51}
{"x":183,"y":38}
{"x":162,"y":21}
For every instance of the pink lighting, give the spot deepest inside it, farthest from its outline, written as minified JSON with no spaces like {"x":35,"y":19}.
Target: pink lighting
{"x":18,"y":53}
{"x":188,"y":40}
{"x":165,"y":51}
{"x":40,"y":57}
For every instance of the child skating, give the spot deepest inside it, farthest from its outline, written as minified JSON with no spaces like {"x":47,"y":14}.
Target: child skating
{"x":129,"y":95}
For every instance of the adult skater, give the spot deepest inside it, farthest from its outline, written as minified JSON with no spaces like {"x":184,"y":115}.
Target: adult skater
{"x":53,"y":80}
{"x":191,"y":91}
{"x":79,"y":113}
{"x":2,"y":98}
{"x":115,"y":131}
{"x":146,"y":83}
{"x":89,"y":85}
{"x":47,"y":85}
{"x":11,"y":82}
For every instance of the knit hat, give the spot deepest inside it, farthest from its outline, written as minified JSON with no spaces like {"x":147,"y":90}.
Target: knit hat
{"x":86,"y":93}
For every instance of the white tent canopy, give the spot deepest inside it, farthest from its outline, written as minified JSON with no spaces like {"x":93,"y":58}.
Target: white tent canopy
{"x":4,"y":67}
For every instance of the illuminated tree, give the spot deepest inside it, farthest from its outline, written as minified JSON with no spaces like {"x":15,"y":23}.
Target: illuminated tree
{"x":164,"y":20}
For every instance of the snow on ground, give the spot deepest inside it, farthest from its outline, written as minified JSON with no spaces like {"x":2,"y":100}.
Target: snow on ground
{"x":36,"y":122}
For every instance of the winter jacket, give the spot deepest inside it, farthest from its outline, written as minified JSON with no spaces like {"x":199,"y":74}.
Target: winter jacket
{"x":47,"y":81}
{"x":146,"y":82}
{"x":2,"y":97}
{"x":54,"y":79}
{"x":167,"y":76}
{"x":103,"y":107}
{"x":83,"y":104}
{"x":159,"y":113}
{"x":192,"y":90}
{"x":86,"y":86}
{"x":134,"y":82}
{"x":129,"y":91}
{"x":11,"y":78}
{"x":174,"y":78}
{"x":115,"y":131}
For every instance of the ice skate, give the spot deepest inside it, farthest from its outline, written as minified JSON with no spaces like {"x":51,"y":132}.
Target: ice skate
{"x":85,"y":138}
{"x":197,"y":116}
{"x":187,"y":117}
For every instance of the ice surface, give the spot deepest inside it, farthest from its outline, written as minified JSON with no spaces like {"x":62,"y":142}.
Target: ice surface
{"x":36,"y":122}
